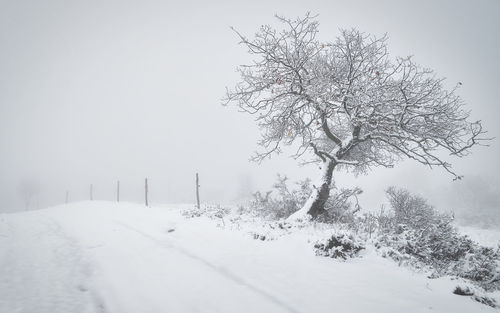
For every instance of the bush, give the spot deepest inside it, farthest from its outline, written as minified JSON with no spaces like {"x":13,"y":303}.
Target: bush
{"x":210,"y":211}
{"x":444,"y":252}
{"x":482,"y":265}
{"x":436,"y":246}
{"x":371,"y":223}
{"x":475,"y":295}
{"x":341,"y":206}
{"x":339,"y":246}
{"x":410,"y":210}
{"x":281,"y":201}
{"x":463,"y":291}
{"x":486,"y":300}
{"x":421,"y":237}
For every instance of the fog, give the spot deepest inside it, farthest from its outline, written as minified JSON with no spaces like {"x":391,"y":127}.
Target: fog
{"x":92,"y":92}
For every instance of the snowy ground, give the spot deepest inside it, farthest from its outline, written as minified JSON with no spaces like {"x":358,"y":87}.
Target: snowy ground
{"x":120,"y":258}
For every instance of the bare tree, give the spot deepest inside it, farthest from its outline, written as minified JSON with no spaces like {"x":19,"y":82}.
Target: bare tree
{"x":28,"y":189}
{"x":348,"y":102}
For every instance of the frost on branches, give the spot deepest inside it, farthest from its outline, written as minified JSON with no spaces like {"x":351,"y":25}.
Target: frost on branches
{"x":347,"y":102}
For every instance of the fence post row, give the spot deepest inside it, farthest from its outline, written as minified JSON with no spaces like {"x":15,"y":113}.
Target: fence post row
{"x":146,"y":190}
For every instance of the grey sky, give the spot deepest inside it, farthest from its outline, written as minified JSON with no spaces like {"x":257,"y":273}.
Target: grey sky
{"x":95,"y":91}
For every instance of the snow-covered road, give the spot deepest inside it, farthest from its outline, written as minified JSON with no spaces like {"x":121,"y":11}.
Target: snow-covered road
{"x":125,"y":258}
{"x":42,"y":269}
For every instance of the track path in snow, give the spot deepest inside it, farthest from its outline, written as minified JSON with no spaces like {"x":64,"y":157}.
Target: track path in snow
{"x":96,"y":261}
{"x":225,"y":273}
{"x":138,"y":272}
{"x":42,"y":269}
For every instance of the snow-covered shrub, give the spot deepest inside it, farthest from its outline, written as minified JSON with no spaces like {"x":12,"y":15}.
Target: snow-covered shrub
{"x":371,"y":223}
{"x":411,"y":210}
{"x":436,"y":246}
{"x":463,"y":291}
{"x":441,"y":249}
{"x":340,"y":245}
{"x":272,"y":230}
{"x":476,"y":294}
{"x":368,"y":224}
{"x":258,"y":236}
{"x":341,"y":206}
{"x":282,"y":201}
{"x":210,"y":211}
{"x":482,"y":265}
{"x":486,"y":300}
{"x":417,"y":235}
{"x":422,"y":231}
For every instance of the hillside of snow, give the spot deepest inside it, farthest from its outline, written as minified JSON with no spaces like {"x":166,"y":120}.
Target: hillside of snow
{"x":126,"y":258}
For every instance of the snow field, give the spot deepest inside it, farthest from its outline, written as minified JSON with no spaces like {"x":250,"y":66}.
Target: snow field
{"x":108,"y":257}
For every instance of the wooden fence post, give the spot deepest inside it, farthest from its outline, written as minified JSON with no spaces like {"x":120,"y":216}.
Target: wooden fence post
{"x":118,"y":191}
{"x":197,"y":191}
{"x":146,"y":191}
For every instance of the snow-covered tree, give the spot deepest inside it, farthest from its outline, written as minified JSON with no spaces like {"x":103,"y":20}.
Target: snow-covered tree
{"x":348,"y":102}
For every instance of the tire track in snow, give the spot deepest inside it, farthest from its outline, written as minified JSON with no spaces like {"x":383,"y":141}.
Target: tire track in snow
{"x":43,"y":269}
{"x":220,"y":270}
{"x":85,"y":266}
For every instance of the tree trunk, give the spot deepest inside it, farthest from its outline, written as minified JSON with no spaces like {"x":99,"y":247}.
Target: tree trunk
{"x":315,"y":205}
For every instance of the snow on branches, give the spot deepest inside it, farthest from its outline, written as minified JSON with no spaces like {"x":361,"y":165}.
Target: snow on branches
{"x":348,"y":101}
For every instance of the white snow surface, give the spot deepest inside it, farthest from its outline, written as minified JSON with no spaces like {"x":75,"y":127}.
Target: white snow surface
{"x":127,"y":258}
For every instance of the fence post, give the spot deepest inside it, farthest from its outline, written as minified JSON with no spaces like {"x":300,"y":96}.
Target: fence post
{"x":197,"y":191}
{"x":67,"y":196}
{"x":146,"y":190}
{"x":91,"y":195}
{"x":118,"y":191}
